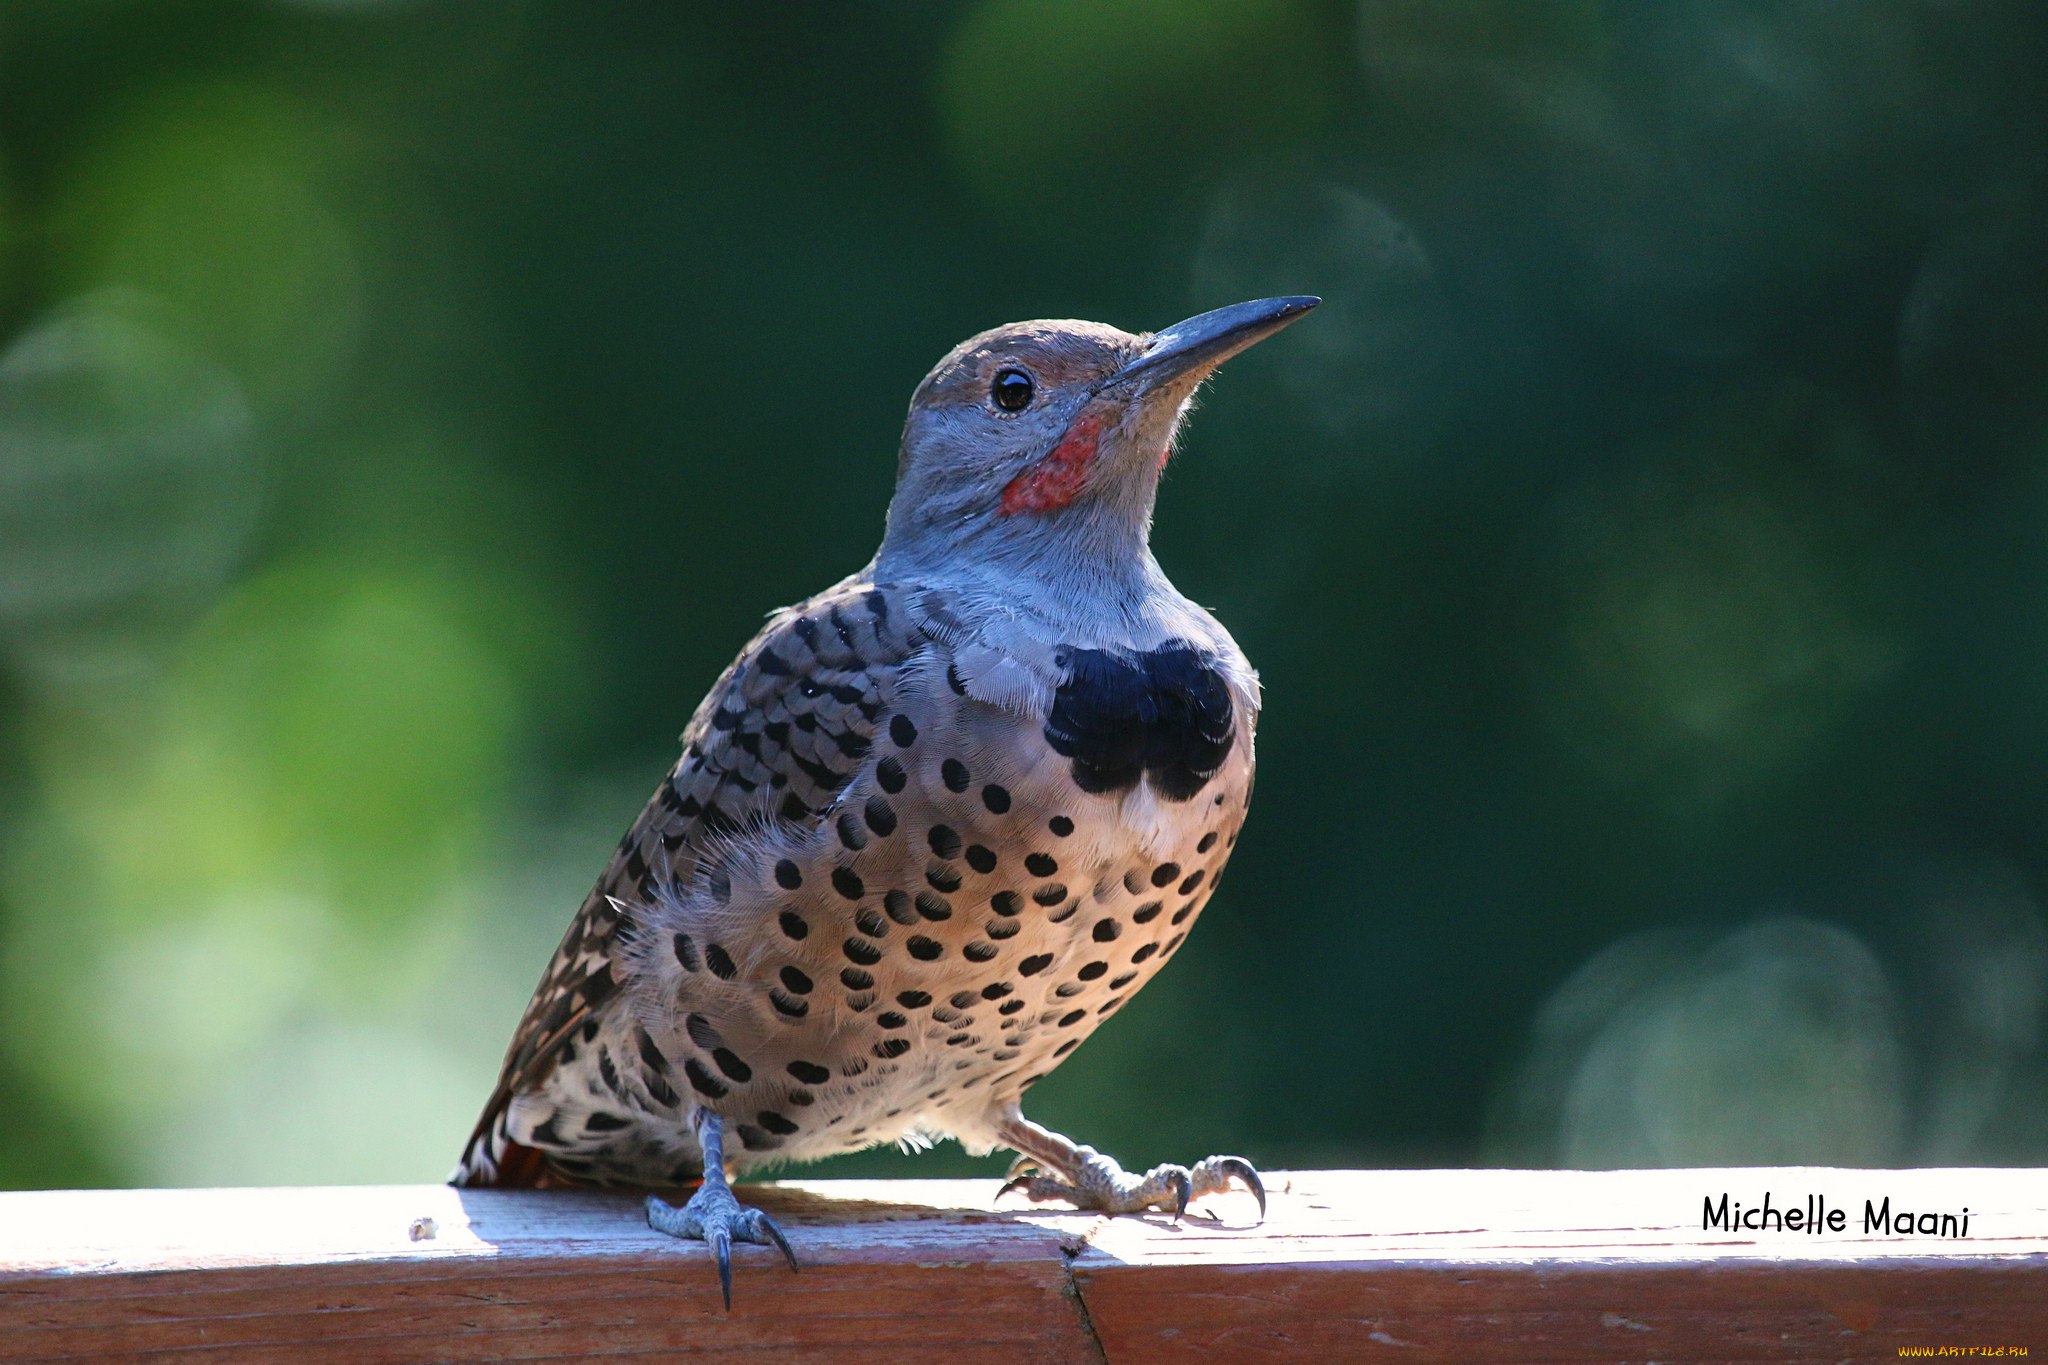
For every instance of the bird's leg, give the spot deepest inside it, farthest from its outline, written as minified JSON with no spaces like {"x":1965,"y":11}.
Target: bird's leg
{"x":1087,"y":1179}
{"x":712,"y":1214}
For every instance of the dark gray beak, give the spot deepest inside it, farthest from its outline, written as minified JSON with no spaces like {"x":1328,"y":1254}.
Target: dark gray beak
{"x":1208,"y":339}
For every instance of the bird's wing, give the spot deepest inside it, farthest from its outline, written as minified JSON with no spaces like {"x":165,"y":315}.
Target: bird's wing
{"x":776,"y":739}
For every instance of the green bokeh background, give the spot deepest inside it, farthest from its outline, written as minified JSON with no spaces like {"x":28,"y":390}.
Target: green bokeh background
{"x":408,"y":406}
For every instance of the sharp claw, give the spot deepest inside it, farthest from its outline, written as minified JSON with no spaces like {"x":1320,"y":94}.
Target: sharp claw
{"x":721,"y":1250}
{"x":1183,"y":1188}
{"x":1015,"y":1182}
{"x":763,"y":1223}
{"x":1021,"y":1165}
{"x":1243,"y":1170}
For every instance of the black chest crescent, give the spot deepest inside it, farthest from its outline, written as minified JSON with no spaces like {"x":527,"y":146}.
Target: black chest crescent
{"x":1164,"y":716}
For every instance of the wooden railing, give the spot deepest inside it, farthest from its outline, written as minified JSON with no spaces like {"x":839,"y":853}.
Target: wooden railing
{"x":1510,"y":1266}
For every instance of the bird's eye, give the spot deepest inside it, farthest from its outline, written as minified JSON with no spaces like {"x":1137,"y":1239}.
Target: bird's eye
{"x":1012,"y":390}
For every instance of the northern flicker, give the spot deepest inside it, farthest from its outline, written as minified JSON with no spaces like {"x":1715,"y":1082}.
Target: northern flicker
{"x":928,"y":831}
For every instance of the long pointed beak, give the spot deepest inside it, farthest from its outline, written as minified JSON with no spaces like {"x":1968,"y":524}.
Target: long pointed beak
{"x":1208,"y":339}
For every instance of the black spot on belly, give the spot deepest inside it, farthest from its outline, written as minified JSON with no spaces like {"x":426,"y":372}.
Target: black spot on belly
{"x":881,"y":817}
{"x":850,"y":833}
{"x":702,"y":1081}
{"x":1165,"y":716}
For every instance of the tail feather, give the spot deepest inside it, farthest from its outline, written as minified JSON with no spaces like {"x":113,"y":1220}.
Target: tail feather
{"x":492,"y":1159}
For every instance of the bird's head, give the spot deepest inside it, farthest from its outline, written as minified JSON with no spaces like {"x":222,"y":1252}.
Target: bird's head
{"x":1043,"y":434}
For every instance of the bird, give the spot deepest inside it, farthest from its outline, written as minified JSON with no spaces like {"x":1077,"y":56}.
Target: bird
{"x":928,"y":831}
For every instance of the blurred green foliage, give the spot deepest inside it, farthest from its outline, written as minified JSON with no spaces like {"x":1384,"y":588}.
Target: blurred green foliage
{"x":408,"y":406}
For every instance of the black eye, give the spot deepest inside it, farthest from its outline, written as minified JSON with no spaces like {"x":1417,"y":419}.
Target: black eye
{"x":1012,"y":390}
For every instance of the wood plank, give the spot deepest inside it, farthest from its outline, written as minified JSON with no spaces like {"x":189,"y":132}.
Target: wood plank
{"x":1519,"y":1266}
{"x":1415,"y":1265}
{"x":337,"y":1275}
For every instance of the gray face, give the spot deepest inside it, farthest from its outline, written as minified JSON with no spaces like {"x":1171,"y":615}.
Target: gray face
{"x":1038,"y":446}
{"x":984,"y":423}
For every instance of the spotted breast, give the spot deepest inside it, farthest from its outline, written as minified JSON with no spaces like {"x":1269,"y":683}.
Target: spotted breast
{"x":974,"y":899}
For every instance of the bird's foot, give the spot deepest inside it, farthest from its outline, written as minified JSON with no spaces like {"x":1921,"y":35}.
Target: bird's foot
{"x":715,"y":1217}
{"x":1098,"y":1183}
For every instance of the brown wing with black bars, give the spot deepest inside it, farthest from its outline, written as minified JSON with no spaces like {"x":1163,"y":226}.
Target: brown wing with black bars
{"x":778,"y":736}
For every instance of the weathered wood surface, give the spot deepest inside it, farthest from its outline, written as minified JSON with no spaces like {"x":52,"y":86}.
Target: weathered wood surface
{"x":1511,"y":1266}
